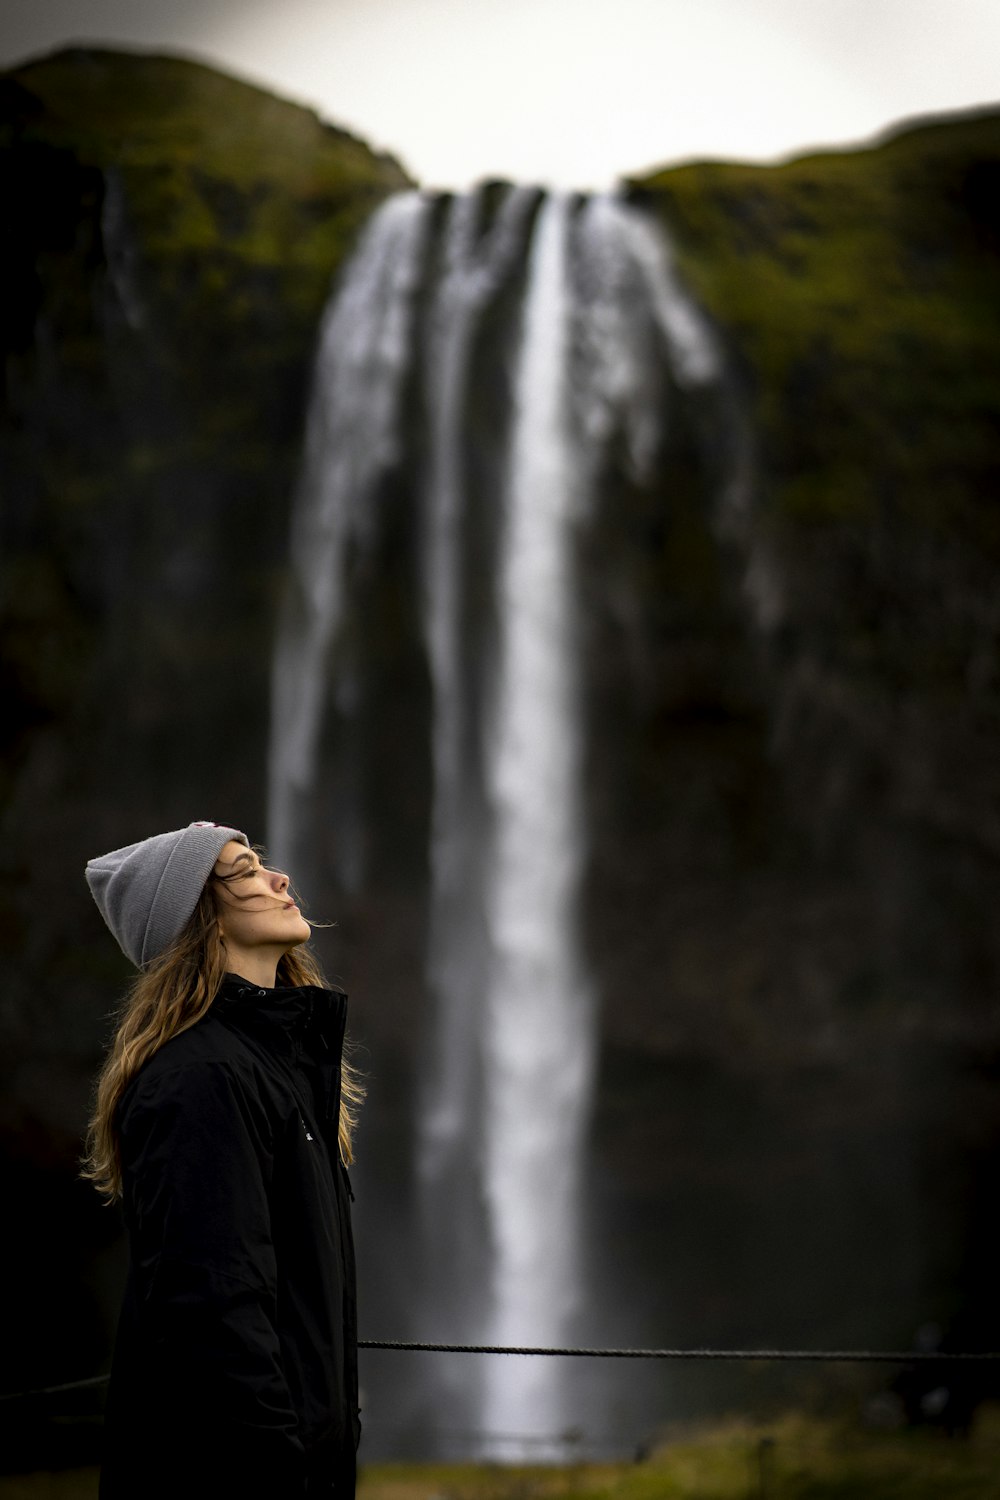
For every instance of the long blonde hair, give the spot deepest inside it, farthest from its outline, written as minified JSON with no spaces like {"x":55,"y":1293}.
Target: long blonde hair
{"x":167,"y":997}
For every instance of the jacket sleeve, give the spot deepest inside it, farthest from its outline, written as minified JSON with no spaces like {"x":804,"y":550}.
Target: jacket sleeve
{"x":196,"y":1158}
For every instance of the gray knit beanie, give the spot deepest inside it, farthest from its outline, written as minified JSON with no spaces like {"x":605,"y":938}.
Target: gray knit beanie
{"x":147,"y":891}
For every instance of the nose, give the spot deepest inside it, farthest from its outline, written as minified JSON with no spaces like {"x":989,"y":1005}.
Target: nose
{"x":279,"y":880}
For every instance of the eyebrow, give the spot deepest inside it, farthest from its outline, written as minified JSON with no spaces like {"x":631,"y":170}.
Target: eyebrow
{"x":240,"y":857}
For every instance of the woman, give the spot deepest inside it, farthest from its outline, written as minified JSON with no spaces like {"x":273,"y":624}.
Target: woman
{"x":223,"y":1121}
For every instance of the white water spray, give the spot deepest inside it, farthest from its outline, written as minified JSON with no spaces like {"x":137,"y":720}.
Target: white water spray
{"x":475,"y":267}
{"x":352,"y":438}
{"x":599,"y":341}
{"x":537,"y":1023}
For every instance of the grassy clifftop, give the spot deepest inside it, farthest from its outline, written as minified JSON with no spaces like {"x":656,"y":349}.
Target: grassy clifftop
{"x":859,"y":291}
{"x":211,"y":163}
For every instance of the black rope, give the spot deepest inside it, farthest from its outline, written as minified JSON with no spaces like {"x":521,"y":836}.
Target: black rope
{"x":843,"y":1356}
{"x":828,"y":1356}
{"x":55,"y":1390}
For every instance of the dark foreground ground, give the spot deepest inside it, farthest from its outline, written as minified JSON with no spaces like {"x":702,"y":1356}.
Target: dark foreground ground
{"x":794,"y":1458}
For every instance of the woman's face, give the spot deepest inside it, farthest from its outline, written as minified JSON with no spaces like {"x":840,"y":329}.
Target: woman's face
{"x":257,"y":916}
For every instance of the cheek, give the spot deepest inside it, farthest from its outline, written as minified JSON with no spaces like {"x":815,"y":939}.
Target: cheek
{"x":236,"y":923}
{"x":248,"y":924}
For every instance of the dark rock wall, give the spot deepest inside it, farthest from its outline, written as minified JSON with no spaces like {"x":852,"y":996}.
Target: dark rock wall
{"x":795,"y":851}
{"x":170,"y":237}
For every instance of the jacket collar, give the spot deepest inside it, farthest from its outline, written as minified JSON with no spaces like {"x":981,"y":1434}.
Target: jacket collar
{"x":292,"y":1014}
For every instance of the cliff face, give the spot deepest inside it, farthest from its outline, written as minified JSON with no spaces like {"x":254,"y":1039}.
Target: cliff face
{"x":856,"y":294}
{"x":170,"y":240}
{"x":796,"y":837}
{"x":792,"y":702}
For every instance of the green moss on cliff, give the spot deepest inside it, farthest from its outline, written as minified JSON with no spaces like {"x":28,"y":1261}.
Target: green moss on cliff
{"x":211,"y":164}
{"x":857,"y":293}
{"x":860,"y":289}
{"x":171,"y":238}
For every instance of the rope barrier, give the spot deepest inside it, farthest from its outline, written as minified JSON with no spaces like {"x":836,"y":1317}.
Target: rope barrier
{"x":827,"y":1356}
{"x":55,"y":1390}
{"x":843,"y":1356}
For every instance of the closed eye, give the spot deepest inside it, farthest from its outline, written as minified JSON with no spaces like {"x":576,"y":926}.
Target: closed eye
{"x":243,"y":869}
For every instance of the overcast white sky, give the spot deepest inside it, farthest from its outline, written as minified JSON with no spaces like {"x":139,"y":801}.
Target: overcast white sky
{"x":568,"y":92}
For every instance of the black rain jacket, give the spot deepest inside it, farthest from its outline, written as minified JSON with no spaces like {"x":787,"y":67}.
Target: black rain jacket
{"x":235,"y":1365}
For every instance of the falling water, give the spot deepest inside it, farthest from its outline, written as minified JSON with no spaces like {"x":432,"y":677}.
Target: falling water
{"x":475,"y":268}
{"x":572,"y":309}
{"x":477,"y":264}
{"x":352,"y":439}
{"x":537,"y":1030}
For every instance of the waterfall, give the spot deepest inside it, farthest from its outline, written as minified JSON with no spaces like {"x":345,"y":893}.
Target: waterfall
{"x":477,"y":264}
{"x":501,"y":348}
{"x":473,"y":272}
{"x":121,"y":255}
{"x":352,"y":439}
{"x":537,"y":1019}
